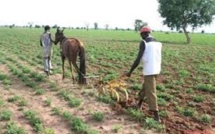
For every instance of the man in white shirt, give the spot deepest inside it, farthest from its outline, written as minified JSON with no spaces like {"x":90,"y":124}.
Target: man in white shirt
{"x":150,"y":53}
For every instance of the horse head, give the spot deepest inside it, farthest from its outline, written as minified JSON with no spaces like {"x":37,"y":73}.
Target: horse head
{"x":59,"y":35}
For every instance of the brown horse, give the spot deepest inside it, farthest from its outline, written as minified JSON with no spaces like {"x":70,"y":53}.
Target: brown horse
{"x":70,"y":49}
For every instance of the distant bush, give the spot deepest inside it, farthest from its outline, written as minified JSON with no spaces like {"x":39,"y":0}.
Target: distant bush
{"x":37,"y":26}
{"x":180,"y":31}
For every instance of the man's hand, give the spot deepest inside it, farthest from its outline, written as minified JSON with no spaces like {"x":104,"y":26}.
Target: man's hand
{"x":54,"y":42}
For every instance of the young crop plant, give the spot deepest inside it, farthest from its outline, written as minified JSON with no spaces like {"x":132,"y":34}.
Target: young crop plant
{"x":39,"y":91}
{"x":3,"y":76}
{"x":55,"y":111}
{"x":151,"y":123}
{"x":2,"y":60}
{"x":1,"y":103}
{"x":205,"y":118}
{"x":48,"y":102}
{"x":98,"y":116}
{"x":7,"y":82}
{"x":204,"y":87}
{"x":22,"y":102}
{"x":160,"y":87}
{"x":163,"y":114}
{"x":109,"y":77}
{"x":39,"y":78}
{"x":34,"y":120}
{"x":53,"y":86}
{"x":189,"y":112}
{"x":14,"y":70}
{"x":162,"y":102}
{"x":165,"y":96}
{"x":67,"y":115}
{"x":22,"y":76}
{"x":13,"y":128}
{"x":136,"y":114}
{"x":26,"y":70}
{"x":189,"y":90}
{"x":136,"y":87}
{"x":198,"y":98}
{"x":105,"y":98}
{"x":31,"y":84}
{"x":116,"y":128}
{"x":78,"y":125}
{"x":13,"y":99}
{"x":48,"y":131}
{"x":183,"y":73}
{"x":65,"y":95}
{"x":74,"y":102}
{"x":5,"y":115}
{"x":33,"y":75}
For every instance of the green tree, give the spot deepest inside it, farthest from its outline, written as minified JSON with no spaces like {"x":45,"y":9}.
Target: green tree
{"x":180,"y":14}
{"x":138,"y":24}
{"x":87,"y":26}
{"x":106,"y":26}
{"x":30,"y":24}
{"x":95,"y":25}
{"x":55,"y":26}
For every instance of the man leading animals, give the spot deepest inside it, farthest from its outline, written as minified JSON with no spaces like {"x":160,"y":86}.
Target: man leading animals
{"x":150,"y":53}
{"x":46,"y":43}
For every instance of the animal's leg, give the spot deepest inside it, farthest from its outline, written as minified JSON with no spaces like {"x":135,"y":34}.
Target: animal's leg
{"x":70,"y":65}
{"x":76,"y":66}
{"x":63,"y":60}
{"x":78,"y":71}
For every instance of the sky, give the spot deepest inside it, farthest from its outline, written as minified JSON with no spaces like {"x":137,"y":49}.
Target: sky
{"x":78,"y":13}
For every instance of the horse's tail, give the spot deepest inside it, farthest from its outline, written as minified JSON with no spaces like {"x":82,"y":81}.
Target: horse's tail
{"x":82,"y":73}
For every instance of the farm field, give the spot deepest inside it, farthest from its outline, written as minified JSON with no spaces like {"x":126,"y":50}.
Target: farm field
{"x":32,"y":103}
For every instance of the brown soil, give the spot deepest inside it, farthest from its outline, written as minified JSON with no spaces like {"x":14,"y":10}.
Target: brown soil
{"x":36,"y":103}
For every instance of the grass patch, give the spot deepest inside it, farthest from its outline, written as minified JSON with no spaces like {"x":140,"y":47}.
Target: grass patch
{"x":55,"y":111}
{"x":98,"y":116}
{"x":151,"y":123}
{"x":65,"y":95}
{"x":39,"y":91}
{"x":186,"y":111}
{"x":74,"y":102}
{"x":13,"y":99}
{"x":136,"y":86}
{"x":162,"y":102}
{"x":189,"y":90}
{"x":206,"y":87}
{"x":77,"y":124}
{"x":160,"y":87}
{"x":48,"y":131}
{"x":198,"y":99}
{"x":22,"y":102}
{"x":12,"y":128}
{"x":5,"y":115}
{"x":105,"y":98}
{"x":6,"y":82}
{"x":1,"y":102}
{"x":116,"y":128}
{"x":136,"y":114}
{"x":34,"y":120}
{"x":205,"y":118}
{"x":48,"y":102}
